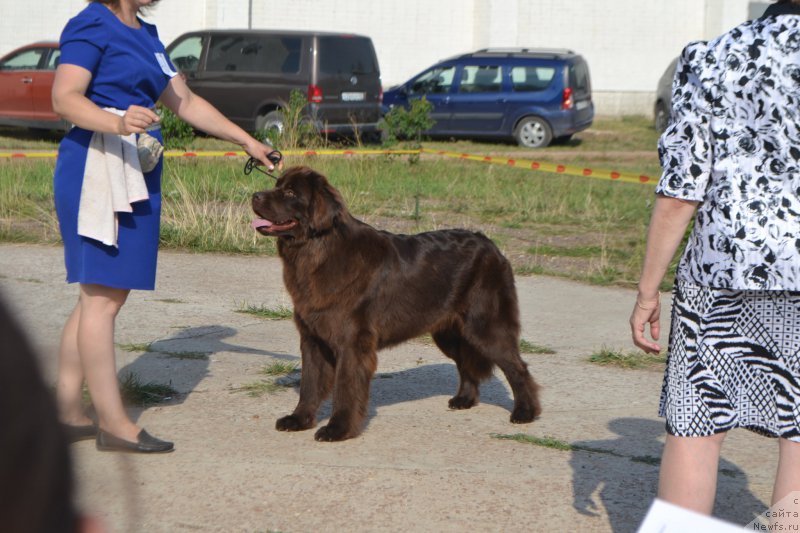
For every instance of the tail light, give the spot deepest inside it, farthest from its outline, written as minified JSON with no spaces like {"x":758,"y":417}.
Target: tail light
{"x":566,"y":99}
{"x":380,"y":96}
{"x":314,"y":94}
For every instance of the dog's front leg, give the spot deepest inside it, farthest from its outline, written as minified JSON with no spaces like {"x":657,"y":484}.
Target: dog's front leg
{"x":316,"y":381}
{"x":354,"y":373}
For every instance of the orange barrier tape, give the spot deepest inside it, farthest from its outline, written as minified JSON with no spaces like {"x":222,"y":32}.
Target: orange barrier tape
{"x":568,"y":170}
{"x":26,"y":155}
{"x":213,"y":153}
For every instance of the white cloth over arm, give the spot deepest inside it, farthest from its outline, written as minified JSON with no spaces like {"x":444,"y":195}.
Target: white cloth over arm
{"x":112,"y":181}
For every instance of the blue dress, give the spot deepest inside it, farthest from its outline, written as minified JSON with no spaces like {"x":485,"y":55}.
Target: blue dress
{"x":129,"y":67}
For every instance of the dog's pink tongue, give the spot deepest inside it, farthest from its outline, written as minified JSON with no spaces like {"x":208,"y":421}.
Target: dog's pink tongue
{"x":260,"y":223}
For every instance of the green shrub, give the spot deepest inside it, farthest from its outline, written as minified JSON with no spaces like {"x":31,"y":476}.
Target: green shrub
{"x":297,"y":129}
{"x":177,"y":133}
{"x":400,"y":123}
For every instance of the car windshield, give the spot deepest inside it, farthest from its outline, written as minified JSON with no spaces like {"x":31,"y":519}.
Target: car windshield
{"x":436,"y":80}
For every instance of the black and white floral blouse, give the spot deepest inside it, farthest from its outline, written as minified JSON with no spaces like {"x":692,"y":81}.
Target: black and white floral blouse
{"x":734,"y":145}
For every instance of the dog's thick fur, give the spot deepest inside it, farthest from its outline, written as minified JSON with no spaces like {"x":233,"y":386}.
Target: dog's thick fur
{"x":356,"y":290}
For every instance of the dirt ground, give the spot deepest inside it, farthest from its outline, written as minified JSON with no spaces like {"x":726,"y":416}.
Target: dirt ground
{"x":417,"y":466}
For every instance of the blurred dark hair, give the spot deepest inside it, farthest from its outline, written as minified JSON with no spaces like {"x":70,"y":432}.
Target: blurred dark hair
{"x":36,"y":485}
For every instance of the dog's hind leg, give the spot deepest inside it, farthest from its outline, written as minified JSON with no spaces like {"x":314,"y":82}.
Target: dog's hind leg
{"x":525,"y":389}
{"x":354,"y":373}
{"x":472,"y":367}
{"x":501,"y":347}
{"x":491,"y":326}
{"x":316,"y":381}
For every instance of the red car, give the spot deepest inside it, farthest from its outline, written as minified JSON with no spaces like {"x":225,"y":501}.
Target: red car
{"x":26,"y":80}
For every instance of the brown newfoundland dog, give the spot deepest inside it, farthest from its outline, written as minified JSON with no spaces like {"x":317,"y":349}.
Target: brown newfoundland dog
{"x":356,"y":290}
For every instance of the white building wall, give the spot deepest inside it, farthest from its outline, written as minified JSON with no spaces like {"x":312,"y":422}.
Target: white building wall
{"x":31,"y":21}
{"x":627,"y":43}
{"x":407,"y":40}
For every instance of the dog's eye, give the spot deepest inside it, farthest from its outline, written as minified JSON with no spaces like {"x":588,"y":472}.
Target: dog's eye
{"x":289,"y":193}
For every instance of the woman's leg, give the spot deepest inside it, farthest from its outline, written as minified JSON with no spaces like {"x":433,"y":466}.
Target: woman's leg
{"x":688,"y":476}
{"x":787,"y":480}
{"x":99,"y":306}
{"x":69,"y":386}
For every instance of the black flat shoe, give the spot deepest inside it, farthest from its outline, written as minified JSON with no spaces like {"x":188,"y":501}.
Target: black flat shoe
{"x":76,"y":433}
{"x":146,"y":443}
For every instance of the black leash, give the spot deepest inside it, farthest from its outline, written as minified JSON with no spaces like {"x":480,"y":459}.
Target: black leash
{"x":274,"y":157}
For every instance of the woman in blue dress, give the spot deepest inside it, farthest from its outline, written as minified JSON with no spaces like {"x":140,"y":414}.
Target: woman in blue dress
{"x":113,"y":70}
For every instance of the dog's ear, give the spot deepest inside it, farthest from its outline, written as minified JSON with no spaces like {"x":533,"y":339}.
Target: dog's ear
{"x":326,"y":204}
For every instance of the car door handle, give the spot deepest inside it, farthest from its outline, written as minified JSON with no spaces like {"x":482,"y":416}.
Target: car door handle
{"x":27,"y":80}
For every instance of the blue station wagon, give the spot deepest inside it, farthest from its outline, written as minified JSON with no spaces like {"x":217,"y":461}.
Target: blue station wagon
{"x":532,"y":95}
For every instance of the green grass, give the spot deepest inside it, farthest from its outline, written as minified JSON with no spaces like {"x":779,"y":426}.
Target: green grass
{"x":557,"y":444}
{"x":136,"y":347}
{"x":270,"y":313}
{"x":148,"y":347}
{"x":258,"y":389}
{"x":574,"y":227}
{"x":280,"y":368}
{"x":425,"y":339}
{"x":629,"y":360}
{"x":277,"y":369}
{"x":545,"y":442}
{"x":607,"y":134}
{"x":134,"y":392}
{"x":526,"y":346}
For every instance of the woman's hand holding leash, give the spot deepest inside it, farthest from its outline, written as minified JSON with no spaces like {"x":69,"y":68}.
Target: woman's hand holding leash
{"x":274,"y":157}
{"x":264,"y":154}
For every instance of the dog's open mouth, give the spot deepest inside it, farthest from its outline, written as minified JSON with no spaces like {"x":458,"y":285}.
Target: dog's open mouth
{"x":266,"y":227}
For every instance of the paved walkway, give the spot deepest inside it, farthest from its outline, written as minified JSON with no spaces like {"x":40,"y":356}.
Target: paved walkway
{"x":417,"y":466}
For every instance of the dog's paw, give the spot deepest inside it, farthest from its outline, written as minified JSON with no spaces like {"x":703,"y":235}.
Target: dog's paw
{"x":461,"y":402}
{"x":291,"y":423}
{"x":331,"y":433}
{"x":524,"y":415}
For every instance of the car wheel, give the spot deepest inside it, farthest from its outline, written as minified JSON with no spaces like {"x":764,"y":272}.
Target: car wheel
{"x":271,"y":121}
{"x":533,"y":132}
{"x":375,"y":137}
{"x":662,"y":117}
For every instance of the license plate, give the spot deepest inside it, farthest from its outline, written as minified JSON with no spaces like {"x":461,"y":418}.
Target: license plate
{"x":583,"y":104}
{"x":353,"y":97}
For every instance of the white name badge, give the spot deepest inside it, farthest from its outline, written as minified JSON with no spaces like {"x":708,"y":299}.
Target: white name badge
{"x":165,"y":68}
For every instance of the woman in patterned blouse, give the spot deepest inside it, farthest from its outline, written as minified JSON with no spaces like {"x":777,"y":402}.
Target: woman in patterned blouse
{"x":731,"y":159}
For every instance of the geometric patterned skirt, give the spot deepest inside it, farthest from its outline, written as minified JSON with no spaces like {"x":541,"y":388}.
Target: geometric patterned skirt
{"x":733,"y":361}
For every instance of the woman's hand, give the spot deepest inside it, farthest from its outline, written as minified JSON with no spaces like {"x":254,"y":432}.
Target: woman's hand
{"x":668,"y":224}
{"x":647,"y":310}
{"x":136,"y":120}
{"x":259,"y":151}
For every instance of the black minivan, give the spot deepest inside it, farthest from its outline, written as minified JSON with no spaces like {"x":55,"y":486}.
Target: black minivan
{"x":249,"y":75}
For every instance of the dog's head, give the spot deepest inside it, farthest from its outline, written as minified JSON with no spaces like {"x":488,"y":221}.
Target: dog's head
{"x":302,"y":205}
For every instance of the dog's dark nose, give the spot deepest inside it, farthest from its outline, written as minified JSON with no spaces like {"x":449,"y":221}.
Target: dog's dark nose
{"x":258,"y":196}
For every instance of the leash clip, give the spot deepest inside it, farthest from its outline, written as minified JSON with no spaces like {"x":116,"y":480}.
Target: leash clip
{"x":275,"y":158}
